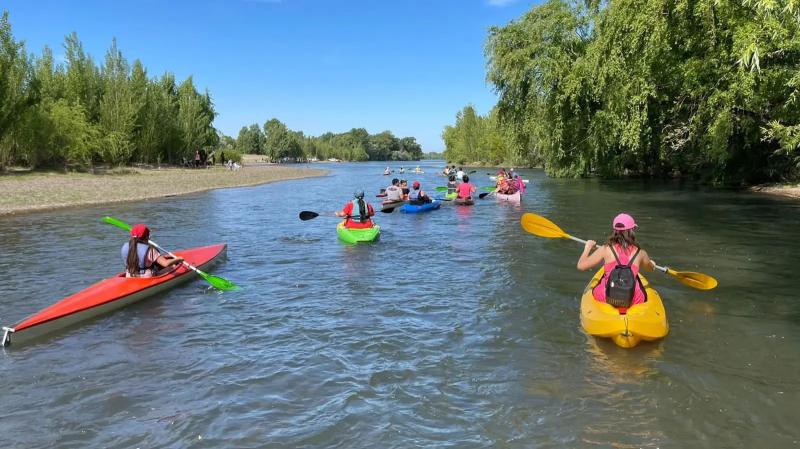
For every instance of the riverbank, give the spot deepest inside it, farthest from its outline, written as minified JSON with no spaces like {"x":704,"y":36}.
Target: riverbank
{"x":49,"y":190}
{"x":787,"y":190}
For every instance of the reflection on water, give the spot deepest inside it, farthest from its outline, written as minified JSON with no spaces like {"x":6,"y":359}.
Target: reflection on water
{"x":456,"y":329}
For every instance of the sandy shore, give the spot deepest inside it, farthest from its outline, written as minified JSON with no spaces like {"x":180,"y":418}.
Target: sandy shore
{"x":787,"y":190}
{"x":40,"y":191}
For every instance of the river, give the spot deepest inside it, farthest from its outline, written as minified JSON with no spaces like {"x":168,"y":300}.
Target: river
{"x":457,"y":329}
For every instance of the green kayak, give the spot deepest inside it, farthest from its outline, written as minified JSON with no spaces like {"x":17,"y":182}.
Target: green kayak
{"x":351,"y":235}
{"x":450,"y":196}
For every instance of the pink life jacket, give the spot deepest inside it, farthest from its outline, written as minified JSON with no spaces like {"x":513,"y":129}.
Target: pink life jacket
{"x":599,"y":291}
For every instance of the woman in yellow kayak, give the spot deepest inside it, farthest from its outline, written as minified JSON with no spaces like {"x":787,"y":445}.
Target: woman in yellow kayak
{"x":141,"y":259}
{"x":622,"y":257}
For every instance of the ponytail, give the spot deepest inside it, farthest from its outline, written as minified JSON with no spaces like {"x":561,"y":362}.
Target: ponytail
{"x":362,"y":207}
{"x":132,"y":262}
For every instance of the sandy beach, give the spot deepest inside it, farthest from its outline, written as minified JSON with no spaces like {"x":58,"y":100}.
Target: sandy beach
{"x":50,"y":190}
{"x":787,"y":190}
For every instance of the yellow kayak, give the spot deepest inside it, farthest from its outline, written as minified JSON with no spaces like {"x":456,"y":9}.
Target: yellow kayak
{"x":646,"y":321}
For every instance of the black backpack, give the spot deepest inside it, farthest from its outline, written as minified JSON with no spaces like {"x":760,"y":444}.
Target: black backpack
{"x":621,"y":282}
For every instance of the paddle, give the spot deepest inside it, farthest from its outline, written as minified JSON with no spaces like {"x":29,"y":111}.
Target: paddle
{"x":538,"y":225}
{"x":309,"y":215}
{"x":214,"y":281}
{"x":488,"y":188}
{"x":485,"y":194}
{"x":441,"y":189}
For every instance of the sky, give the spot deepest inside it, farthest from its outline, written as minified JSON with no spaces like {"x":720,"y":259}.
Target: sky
{"x":407,"y":66}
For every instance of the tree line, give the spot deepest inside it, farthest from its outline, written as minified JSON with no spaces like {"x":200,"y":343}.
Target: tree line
{"x":277,"y":142}
{"x":78,"y":113}
{"x":704,"y":89}
{"x":81,"y":113}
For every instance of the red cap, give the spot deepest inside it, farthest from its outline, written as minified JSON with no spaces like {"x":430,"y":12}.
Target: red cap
{"x":140,"y":231}
{"x":416,"y":184}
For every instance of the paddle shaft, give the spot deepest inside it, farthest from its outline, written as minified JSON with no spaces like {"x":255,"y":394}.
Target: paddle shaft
{"x":188,"y":265}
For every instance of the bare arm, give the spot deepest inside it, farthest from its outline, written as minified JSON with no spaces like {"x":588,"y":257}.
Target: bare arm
{"x":167,"y":261}
{"x":587,"y":260}
{"x":646,"y":262}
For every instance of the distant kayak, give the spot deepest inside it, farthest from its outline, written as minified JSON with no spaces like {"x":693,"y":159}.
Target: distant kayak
{"x":646,"y":321}
{"x":354,"y":235}
{"x":110,"y":294}
{"x":513,"y":198}
{"x":417,"y":208}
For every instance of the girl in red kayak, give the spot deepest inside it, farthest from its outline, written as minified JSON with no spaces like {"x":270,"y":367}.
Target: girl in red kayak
{"x":141,"y":259}
{"x":620,"y":250}
{"x":357,"y":213}
{"x":465,"y":189}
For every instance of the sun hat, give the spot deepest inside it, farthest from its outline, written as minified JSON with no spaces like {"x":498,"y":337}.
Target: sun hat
{"x":623,"y":222}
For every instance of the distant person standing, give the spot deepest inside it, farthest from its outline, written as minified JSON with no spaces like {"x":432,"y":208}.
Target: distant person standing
{"x":196,"y":158}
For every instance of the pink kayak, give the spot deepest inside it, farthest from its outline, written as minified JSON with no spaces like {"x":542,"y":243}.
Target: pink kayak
{"x":513,"y":198}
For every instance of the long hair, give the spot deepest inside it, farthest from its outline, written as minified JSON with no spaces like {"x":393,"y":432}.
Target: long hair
{"x":132,"y":262}
{"x":362,"y":207}
{"x":625,"y":239}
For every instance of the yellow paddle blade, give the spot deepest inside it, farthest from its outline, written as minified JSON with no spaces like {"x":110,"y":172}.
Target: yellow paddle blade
{"x":538,"y":225}
{"x":699,"y":281}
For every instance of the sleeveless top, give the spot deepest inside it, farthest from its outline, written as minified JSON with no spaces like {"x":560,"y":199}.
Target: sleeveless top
{"x":146,"y":264}
{"x":464,"y":190}
{"x":599,"y":290}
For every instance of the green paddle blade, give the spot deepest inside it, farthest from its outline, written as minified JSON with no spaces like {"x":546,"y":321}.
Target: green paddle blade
{"x":118,"y":223}
{"x":218,"y":282}
{"x":488,"y":188}
{"x":441,"y":189}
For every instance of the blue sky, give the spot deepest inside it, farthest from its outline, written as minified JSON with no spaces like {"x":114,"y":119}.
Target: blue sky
{"x":317,"y":65}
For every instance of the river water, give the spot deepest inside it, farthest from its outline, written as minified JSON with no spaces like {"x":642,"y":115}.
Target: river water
{"x":457,"y":329}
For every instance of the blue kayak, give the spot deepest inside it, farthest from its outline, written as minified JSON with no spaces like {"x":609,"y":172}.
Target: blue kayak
{"x":417,"y":208}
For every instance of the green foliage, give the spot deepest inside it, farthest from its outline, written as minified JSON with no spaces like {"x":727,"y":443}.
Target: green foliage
{"x":280,"y":143}
{"x":706,"y":89}
{"x":77,"y":113}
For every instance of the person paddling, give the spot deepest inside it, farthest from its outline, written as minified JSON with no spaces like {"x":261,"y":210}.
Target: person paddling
{"x":404,"y":188}
{"x":465,"y":189}
{"x":357,"y":213}
{"x":520,"y":184}
{"x":451,"y":185}
{"x":393,"y":193}
{"x":622,"y":257}
{"x":418,"y":196}
{"x":387,"y":171}
{"x":142,"y":260}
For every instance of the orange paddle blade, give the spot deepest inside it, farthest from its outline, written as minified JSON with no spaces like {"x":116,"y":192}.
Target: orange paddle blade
{"x":538,"y":225}
{"x":699,"y":281}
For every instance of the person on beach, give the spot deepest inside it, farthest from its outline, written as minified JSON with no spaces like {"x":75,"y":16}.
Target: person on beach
{"x":465,"y":189}
{"x":418,"y":196}
{"x":142,"y":260}
{"x":618,"y":253}
{"x":393,"y":193}
{"x":357,"y":213}
{"x":196,"y":158}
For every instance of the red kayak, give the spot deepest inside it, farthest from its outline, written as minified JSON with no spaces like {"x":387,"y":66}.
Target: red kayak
{"x":109,"y":294}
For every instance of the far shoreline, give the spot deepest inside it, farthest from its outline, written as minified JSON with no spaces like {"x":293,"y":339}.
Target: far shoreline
{"x":46,"y":191}
{"x":784,"y":190}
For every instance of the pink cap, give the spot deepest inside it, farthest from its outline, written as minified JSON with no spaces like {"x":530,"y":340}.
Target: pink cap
{"x":623,"y":222}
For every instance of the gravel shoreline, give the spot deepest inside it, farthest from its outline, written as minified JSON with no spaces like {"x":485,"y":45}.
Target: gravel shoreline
{"x":786,"y":190}
{"x":44,"y":191}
